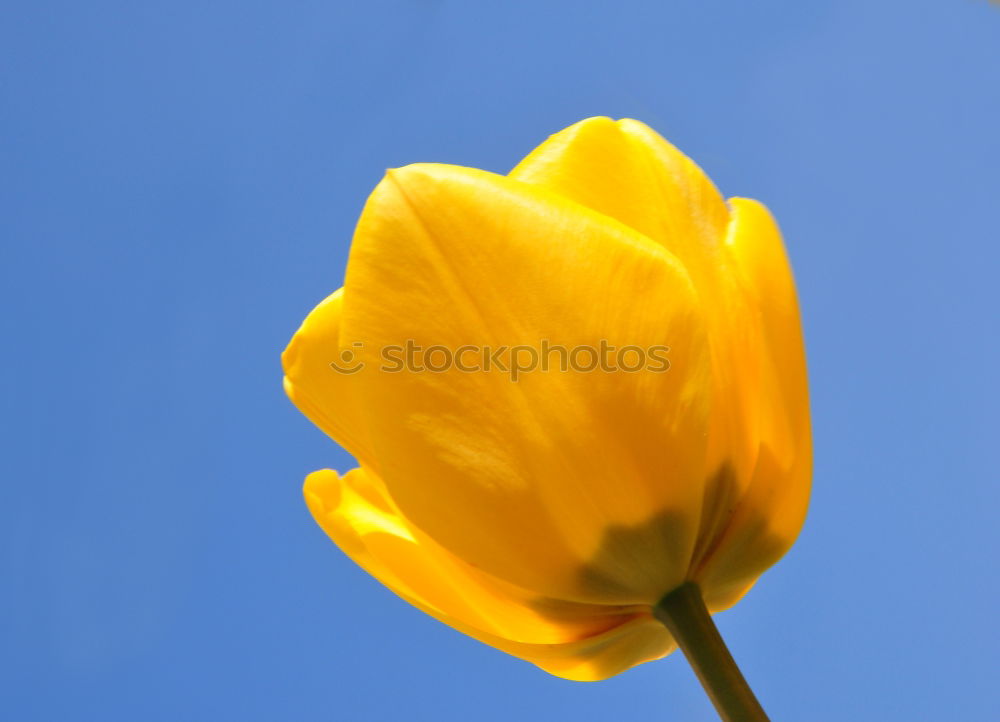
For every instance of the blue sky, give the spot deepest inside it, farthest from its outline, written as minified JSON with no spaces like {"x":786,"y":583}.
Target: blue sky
{"x":178,"y":185}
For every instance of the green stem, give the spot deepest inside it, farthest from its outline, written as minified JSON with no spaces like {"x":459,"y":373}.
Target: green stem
{"x":683,"y":612}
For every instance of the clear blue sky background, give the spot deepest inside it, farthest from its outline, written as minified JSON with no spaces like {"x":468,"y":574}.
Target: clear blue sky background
{"x":180,"y":181}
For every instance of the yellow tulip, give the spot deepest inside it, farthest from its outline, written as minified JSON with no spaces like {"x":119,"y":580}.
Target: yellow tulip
{"x":548,"y":515}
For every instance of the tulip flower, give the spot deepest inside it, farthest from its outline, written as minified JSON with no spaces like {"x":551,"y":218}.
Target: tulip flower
{"x":583,"y":519}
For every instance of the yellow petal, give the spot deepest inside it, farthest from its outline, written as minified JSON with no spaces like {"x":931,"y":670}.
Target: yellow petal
{"x":772,"y":509}
{"x":325,"y":395}
{"x":533,"y":481}
{"x":626,"y":170}
{"x":576,"y":641}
